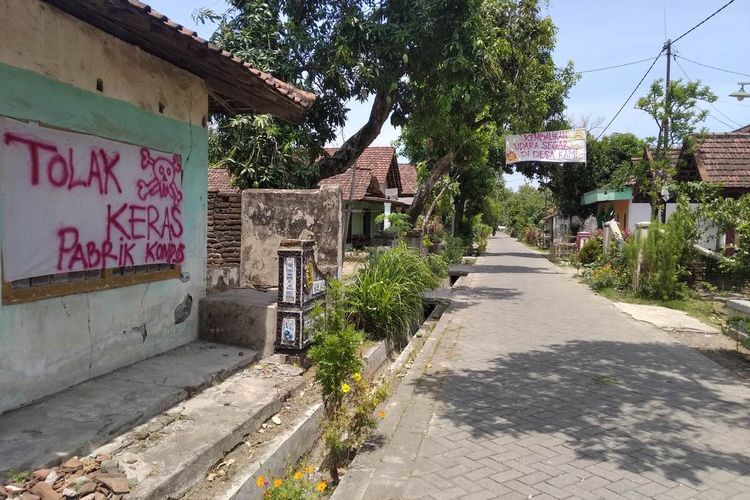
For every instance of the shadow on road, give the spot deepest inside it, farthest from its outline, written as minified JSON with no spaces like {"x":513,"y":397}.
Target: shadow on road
{"x":641,"y":406}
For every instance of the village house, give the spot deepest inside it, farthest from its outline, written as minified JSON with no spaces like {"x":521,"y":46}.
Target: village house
{"x":372,"y":187}
{"x":103,"y":168}
{"x":408,"y":174}
{"x":719,"y":158}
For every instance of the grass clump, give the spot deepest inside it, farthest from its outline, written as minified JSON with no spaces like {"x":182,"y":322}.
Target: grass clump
{"x":385,"y":298}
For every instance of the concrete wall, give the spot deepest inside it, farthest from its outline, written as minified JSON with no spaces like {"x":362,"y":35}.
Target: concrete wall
{"x":43,"y":39}
{"x":224,"y":239}
{"x":271,"y":215}
{"x":49,"y":64}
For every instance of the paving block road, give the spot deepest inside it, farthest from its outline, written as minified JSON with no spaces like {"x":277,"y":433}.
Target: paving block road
{"x":538,"y":388}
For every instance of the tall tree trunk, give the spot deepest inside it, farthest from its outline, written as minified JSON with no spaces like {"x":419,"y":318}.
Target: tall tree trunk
{"x":432,"y":206}
{"x":459,"y":214}
{"x":442,"y":167}
{"x":353,"y":147}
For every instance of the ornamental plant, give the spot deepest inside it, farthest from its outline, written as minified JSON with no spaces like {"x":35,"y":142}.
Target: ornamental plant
{"x":297,"y":485}
{"x":385,"y":297}
{"x":349,"y":400}
{"x":666,"y":253}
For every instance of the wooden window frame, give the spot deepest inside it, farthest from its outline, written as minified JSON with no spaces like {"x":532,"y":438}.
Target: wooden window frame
{"x":107,"y":281}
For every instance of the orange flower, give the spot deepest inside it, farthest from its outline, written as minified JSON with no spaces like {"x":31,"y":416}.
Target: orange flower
{"x":321,"y":486}
{"x":261,"y":482}
{"x":298,"y":475}
{"x":277,"y":482}
{"x":382,"y":415}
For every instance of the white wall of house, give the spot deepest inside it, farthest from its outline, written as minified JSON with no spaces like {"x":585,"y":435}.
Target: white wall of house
{"x":641,"y":212}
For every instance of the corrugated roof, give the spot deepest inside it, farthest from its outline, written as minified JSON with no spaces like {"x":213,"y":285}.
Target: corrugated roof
{"x":725,"y":158}
{"x":220,"y":181}
{"x":408,"y":173}
{"x":234,"y":86}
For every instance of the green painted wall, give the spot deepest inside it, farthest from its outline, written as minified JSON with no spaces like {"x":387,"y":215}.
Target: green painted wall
{"x":51,"y":344}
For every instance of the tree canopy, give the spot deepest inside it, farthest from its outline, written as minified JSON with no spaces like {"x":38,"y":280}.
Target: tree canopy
{"x":457,"y":75}
{"x":497,"y":77}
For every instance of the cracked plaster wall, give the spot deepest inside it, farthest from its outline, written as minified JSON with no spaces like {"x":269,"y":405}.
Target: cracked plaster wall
{"x":49,"y":64}
{"x":271,"y":215}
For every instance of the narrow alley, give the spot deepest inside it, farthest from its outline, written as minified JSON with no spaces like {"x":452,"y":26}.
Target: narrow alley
{"x":538,"y":388}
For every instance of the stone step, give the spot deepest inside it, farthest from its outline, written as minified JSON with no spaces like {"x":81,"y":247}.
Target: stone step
{"x":167,"y":455}
{"x":77,"y":420}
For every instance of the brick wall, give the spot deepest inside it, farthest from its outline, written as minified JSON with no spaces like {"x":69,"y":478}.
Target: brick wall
{"x":224,"y":236}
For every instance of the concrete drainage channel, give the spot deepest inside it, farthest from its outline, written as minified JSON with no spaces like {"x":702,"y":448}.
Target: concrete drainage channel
{"x":272,"y":449}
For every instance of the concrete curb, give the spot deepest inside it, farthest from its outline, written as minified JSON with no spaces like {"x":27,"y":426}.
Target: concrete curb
{"x":179,"y":478}
{"x":737,"y":335}
{"x":285,"y":450}
{"x":289,"y":447}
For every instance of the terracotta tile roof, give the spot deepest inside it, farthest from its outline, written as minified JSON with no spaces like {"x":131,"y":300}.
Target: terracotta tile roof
{"x":220,"y":181}
{"x":408,"y":174}
{"x":725,"y":158}
{"x":234,"y":86}
{"x":381,"y":160}
{"x":742,"y":130}
{"x":365,"y":184}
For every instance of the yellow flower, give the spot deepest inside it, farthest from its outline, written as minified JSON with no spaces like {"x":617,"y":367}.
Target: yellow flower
{"x":357,"y":377}
{"x":321,"y":486}
{"x":298,"y":475}
{"x":261,"y":482}
{"x":345,"y":388}
{"x":309,"y":470}
{"x":382,"y":415}
{"x":277,"y":482}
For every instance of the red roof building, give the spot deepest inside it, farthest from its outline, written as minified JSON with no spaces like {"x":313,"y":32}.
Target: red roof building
{"x":721,"y":158}
{"x":377,"y":172}
{"x":220,"y":181}
{"x":408,"y":173}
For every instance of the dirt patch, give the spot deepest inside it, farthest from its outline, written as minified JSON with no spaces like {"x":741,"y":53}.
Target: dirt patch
{"x":721,"y":349}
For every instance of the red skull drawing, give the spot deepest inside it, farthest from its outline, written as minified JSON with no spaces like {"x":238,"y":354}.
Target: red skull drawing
{"x":164,"y":181}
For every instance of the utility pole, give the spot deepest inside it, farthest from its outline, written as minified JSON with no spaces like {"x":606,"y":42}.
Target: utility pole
{"x":667,"y":112}
{"x":665,"y":124}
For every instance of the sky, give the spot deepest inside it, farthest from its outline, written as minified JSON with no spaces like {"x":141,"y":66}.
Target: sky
{"x":600,"y":33}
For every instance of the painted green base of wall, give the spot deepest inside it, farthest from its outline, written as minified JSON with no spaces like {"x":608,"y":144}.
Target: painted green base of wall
{"x":54,"y":343}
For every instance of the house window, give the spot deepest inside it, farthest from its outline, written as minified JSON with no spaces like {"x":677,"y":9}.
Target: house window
{"x":59,"y":285}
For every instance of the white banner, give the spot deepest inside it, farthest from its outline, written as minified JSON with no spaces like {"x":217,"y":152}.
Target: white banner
{"x":555,"y":147}
{"x":74,"y":202}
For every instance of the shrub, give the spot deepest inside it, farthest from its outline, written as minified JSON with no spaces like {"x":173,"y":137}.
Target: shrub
{"x":385,"y":298}
{"x":666,"y":253}
{"x":336,"y":344}
{"x":604,"y":276}
{"x":438,"y":264}
{"x":399,"y":222}
{"x":348,"y":399}
{"x":591,"y":251}
{"x":347,"y":429}
{"x":480,"y":234}
{"x":531,"y":235}
{"x":454,"y":250}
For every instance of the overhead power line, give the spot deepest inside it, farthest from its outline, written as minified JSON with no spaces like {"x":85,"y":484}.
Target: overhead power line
{"x":700,"y":23}
{"x":710,"y":103}
{"x":615,"y":66}
{"x":632,"y":93}
{"x":713,"y":67}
